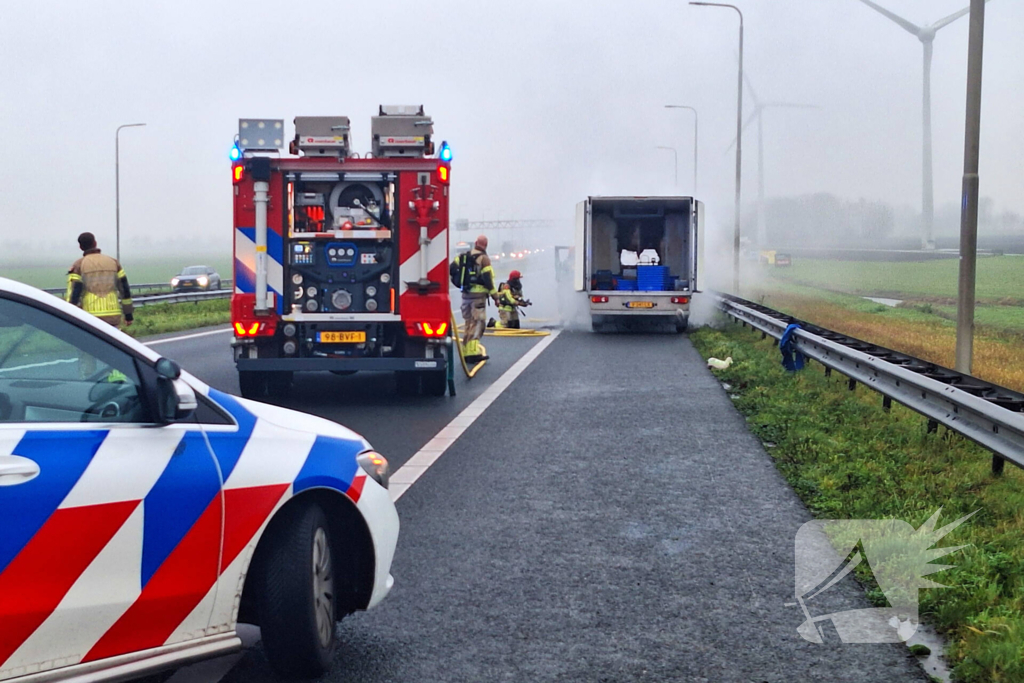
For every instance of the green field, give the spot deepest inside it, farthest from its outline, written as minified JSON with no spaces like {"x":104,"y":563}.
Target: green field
{"x":1000,"y":278}
{"x":141,"y":271}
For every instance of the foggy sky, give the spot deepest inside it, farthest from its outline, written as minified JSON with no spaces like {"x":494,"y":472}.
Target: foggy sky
{"x":543,"y":102}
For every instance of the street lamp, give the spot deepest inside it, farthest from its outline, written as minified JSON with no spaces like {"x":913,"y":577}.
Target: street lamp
{"x":117,"y":184}
{"x":739,"y":148}
{"x":675,"y":155}
{"x":683,"y":106}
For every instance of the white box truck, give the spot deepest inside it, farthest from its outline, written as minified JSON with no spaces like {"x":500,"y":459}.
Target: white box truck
{"x":638,"y":258}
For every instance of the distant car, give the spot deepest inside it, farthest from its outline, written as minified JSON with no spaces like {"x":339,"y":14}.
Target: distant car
{"x":145,"y":514}
{"x":783,"y":260}
{"x":195,"y":278}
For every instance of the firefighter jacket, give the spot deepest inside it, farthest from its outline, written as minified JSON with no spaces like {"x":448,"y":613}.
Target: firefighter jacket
{"x":97,"y":284}
{"x":508,"y":298}
{"x":476,"y":276}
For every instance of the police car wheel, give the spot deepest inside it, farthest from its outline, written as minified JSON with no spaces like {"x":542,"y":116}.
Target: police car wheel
{"x":298,"y":609}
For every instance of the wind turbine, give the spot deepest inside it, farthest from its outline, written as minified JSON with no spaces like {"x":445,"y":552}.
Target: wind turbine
{"x":758,"y":113}
{"x":926,"y":34}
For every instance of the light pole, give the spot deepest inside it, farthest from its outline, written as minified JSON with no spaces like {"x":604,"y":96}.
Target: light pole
{"x":675,"y":156}
{"x":969,"y":215}
{"x":683,"y":106}
{"x":117,"y":185}
{"x":926,"y":34}
{"x":739,"y":149}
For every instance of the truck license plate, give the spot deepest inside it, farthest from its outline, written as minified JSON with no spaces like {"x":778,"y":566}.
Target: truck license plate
{"x":639,"y":304}
{"x":341,"y":337}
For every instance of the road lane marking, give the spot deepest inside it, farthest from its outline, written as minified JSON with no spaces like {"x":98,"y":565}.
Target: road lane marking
{"x":186,"y":336}
{"x":414,"y":468}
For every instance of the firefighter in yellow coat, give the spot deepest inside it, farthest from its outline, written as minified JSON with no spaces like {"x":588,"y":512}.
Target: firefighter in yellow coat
{"x":509,"y":300}
{"x":473,"y":274}
{"x":97,"y":284}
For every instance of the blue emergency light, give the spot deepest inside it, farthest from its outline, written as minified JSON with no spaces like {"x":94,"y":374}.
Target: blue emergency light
{"x":446,"y":152}
{"x":235,"y":153}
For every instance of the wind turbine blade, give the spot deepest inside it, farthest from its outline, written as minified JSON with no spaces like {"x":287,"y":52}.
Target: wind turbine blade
{"x":909,"y":26}
{"x":952,"y":17}
{"x":746,"y":124}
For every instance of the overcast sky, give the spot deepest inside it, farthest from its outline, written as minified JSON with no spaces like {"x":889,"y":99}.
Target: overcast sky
{"x":543,"y":101}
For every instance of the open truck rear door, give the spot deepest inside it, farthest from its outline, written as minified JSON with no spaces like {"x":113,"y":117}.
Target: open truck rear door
{"x":581,"y":265}
{"x":696,"y":244}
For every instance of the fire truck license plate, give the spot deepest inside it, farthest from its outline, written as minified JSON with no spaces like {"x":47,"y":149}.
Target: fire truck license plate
{"x":341,"y":337}
{"x":639,"y":304}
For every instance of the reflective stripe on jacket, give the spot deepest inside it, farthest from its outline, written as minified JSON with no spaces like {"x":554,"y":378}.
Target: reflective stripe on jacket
{"x":486,"y":275}
{"x":98,"y":285}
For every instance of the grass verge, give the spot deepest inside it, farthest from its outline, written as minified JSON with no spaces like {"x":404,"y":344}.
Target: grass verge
{"x":163,"y":318}
{"x":848,"y":459}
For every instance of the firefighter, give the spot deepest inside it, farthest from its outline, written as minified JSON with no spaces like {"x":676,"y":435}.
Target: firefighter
{"x":509,"y":300}
{"x":472,"y":273}
{"x":97,"y":284}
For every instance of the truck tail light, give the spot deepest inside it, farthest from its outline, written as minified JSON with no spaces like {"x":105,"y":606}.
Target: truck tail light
{"x":443,"y":174}
{"x":255,"y":328}
{"x":434,"y":330}
{"x":237,"y":172}
{"x":599,"y":299}
{"x":680,"y":299}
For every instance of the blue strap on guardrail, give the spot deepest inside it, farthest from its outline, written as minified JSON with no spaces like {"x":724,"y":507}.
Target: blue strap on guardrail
{"x":792,"y":359}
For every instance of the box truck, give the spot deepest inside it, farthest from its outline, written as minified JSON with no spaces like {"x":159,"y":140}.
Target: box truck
{"x":638,"y":258}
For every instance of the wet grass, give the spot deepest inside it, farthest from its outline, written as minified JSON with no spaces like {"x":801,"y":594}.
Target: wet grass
{"x":163,"y":318}
{"x":48,"y":276}
{"x":849,"y":459}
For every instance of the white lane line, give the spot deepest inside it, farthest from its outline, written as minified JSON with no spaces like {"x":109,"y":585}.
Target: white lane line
{"x":414,"y":468}
{"x":186,"y":336}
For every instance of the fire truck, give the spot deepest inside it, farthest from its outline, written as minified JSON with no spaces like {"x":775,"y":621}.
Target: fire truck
{"x":341,"y":259}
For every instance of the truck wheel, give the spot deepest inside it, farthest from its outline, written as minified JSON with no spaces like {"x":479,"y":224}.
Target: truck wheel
{"x":407,"y":383}
{"x":681,"y":325}
{"x":252,"y":384}
{"x":298,"y":604}
{"x":435,"y":383}
{"x":598,"y":325}
{"x":278,"y":383}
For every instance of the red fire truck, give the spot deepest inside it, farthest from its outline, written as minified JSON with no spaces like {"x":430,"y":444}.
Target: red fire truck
{"x":341,"y":259}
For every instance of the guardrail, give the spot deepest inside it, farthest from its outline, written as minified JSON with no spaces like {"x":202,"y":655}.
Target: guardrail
{"x":163,"y":288}
{"x":988,"y":414}
{"x":181,"y":297}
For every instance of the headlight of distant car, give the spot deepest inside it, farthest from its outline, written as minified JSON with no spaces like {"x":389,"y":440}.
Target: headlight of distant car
{"x":174,"y":282}
{"x":203,"y":280}
{"x":375,"y":465}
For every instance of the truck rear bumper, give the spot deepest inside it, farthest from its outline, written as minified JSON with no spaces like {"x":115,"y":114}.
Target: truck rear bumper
{"x":341,"y":364}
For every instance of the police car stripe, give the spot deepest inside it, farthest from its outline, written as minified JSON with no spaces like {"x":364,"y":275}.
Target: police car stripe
{"x":94,"y":603}
{"x":331,"y":464}
{"x":51,"y":566}
{"x":126,"y":466}
{"x":273,"y":455}
{"x":62,"y":457}
{"x":172,"y":593}
{"x":228,"y":446}
{"x":180,"y":496}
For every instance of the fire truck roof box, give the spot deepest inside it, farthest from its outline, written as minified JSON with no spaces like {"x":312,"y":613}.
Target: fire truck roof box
{"x":322,"y":136}
{"x":402,"y":131}
{"x":260,"y":135}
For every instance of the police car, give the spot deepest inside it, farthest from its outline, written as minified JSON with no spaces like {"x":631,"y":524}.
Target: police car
{"x":144,"y":514}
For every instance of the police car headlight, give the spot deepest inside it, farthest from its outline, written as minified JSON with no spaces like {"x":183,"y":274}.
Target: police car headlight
{"x":376,"y":466}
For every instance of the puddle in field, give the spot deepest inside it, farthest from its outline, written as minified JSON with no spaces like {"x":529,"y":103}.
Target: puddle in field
{"x":934,"y":663}
{"x":892,"y":303}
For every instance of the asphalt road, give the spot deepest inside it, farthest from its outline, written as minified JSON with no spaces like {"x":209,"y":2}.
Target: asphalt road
{"x":608,"y":518}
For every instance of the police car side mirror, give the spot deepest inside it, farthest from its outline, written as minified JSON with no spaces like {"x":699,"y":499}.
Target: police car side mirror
{"x":175,"y":399}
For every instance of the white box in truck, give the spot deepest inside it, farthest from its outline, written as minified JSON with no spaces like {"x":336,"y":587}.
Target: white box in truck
{"x":638,"y":258}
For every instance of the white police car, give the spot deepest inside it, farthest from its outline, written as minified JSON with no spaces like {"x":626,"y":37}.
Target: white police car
{"x":144,"y":514}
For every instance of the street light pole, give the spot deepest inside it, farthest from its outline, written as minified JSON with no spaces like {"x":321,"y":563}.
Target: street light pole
{"x":117,"y":185}
{"x":739,"y":149}
{"x":971,"y":187}
{"x":683,"y":106}
{"x":675,"y":156}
